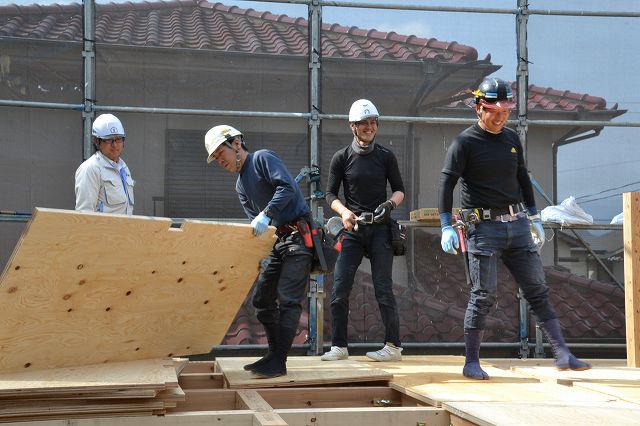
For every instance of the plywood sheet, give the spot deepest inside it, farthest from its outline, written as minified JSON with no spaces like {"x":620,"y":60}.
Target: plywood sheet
{"x":439,"y":379}
{"x":135,"y":376}
{"x":302,"y":371}
{"x":535,"y":414}
{"x":608,"y":377}
{"x":89,"y":288}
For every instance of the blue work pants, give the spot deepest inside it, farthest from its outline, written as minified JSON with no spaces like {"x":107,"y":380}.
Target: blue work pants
{"x":512,"y":243}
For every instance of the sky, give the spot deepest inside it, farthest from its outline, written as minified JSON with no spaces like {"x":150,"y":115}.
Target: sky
{"x":588,"y":55}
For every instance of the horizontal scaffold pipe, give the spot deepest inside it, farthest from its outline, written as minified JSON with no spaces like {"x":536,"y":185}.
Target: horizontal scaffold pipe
{"x":456,"y":9}
{"x":306,"y":115}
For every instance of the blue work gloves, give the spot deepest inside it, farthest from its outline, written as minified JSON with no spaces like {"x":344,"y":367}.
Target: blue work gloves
{"x":382,"y":213}
{"x":449,"y":241}
{"x":260,"y":224}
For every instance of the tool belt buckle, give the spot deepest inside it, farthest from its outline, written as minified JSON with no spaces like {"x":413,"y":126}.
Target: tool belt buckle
{"x":366,"y":218}
{"x":486,"y":214}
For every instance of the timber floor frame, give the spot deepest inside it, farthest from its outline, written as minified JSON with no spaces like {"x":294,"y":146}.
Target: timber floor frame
{"x":417,"y":391}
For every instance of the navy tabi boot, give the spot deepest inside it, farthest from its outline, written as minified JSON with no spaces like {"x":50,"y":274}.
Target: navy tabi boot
{"x":472,"y":369}
{"x":277,"y":365}
{"x":271,"y":332}
{"x":565,"y":360}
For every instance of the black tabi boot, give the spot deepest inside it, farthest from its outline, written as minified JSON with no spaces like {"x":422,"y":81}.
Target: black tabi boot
{"x":472,"y":369}
{"x":565,"y":360}
{"x":277,"y":365}
{"x":271,"y":330}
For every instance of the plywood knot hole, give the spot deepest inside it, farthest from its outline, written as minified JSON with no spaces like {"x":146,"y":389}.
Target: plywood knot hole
{"x":137,"y":349}
{"x":232,"y":266}
{"x":179,"y":280}
{"x":17,"y":267}
{"x":12,"y":289}
{"x":206,"y":302}
{"x":27,"y":365}
{"x":184,"y":262}
{"x":66,"y":296}
{"x":220,"y":280}
{"x":188,"y":347}
{"x":170,"y":355}
{"x":153,"y":272}
{"x":69,"y":310}
{"x":215,"y":272}
{"x":223,"y":288}
{"x":82,"y":282}
{"x":108,"y":308}
{"x":80,"y":266}
{"x":128,"y":293}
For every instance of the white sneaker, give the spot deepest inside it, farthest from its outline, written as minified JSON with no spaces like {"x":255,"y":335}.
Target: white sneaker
{"x":388,"y":353}
{"x":336,"y":353}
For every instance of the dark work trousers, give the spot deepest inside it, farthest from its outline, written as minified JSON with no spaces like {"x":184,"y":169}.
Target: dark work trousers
{"x":281,"y":286}
{"x":512,"y":243}
{"x":376,"y":241}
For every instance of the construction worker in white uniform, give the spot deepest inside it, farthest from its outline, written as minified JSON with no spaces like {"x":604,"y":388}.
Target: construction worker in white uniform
{"x":103,"y":182}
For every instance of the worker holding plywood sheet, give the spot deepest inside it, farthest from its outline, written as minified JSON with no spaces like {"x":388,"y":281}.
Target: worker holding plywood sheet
{"x":270,"y":196}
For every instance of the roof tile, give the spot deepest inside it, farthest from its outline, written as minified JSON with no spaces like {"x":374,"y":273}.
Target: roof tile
{"x":198,"y":24}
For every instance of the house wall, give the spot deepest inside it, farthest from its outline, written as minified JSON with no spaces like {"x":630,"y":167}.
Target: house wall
{"x":41,"y":148}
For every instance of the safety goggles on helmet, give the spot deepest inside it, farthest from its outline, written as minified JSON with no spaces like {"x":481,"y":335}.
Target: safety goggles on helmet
{"x":504,"y":104}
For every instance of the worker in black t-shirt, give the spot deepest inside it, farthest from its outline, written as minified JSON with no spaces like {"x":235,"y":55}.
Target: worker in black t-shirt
{"x":499,"y":211}
{"x":364,"y":168}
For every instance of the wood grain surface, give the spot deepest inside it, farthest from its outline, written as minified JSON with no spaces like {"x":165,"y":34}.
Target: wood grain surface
{"x":88,"y":288}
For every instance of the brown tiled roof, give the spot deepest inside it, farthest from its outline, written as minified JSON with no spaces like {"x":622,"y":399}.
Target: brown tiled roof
{"x":198,"y":24}
{"x":432,"y":308}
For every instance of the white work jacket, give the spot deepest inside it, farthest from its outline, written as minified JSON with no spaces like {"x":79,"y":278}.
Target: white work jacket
{"x":100,"y":186}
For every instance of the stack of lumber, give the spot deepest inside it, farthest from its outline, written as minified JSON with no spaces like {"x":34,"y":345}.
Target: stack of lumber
{"x":135,"y":388}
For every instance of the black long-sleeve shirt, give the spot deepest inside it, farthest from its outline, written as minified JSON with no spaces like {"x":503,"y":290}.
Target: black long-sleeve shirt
{"x":491,"y":170}
{"x":364,"y":178}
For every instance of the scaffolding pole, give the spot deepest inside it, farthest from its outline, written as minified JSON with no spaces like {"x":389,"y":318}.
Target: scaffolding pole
{"x":89,"y":65}
{"x":316,"y":284}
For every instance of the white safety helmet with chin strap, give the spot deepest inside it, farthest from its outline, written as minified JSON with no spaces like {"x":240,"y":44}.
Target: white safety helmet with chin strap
{"x":218,"y":135}
{"x":106,"y":126}
{"x":361,"y":109}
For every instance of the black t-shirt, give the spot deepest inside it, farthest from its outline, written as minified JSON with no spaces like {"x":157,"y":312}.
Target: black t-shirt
{"x":490,"y":167}
{"x":364,"y":178}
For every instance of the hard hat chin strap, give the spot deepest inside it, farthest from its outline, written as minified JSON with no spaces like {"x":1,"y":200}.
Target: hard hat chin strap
{"x":238,"y":162}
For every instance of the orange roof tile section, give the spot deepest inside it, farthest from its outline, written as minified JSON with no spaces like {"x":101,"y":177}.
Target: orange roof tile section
{"x":198,"y":24}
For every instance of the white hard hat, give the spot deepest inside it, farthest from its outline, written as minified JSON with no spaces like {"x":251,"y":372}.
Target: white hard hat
{"x":218,"y":135}
{"x":361,"y":109}
{"x":107,"y":125}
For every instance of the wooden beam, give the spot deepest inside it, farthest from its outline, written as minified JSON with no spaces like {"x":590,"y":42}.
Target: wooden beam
{"x":201,"y":381}
{"x":335,"y":397}
{"x":264,"y":416}
{"x":428,"y":416}
{"x":631,"y":232}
